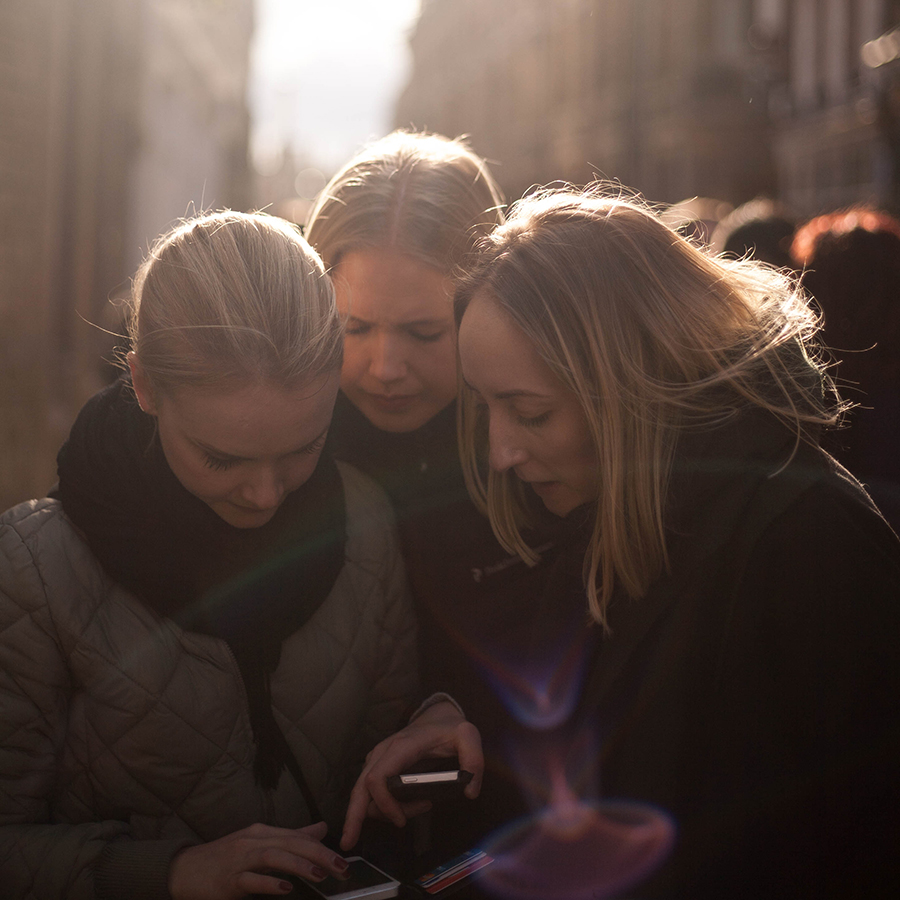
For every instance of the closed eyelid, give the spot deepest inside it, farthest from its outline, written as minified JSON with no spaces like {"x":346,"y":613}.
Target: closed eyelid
{"x":535,"y":420}
{"x":420,"y":334}
{"x":216,"y":458}
{"x":218,"y":465}
{"x":221,"y":458}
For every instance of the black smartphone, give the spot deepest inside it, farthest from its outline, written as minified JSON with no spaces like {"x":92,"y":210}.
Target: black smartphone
{"x":430,"y":779}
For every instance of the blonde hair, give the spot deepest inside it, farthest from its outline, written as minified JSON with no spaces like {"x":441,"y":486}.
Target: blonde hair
{"x":231,"y":296}
{"x":422,"y":194}
{"x":652,"y":335}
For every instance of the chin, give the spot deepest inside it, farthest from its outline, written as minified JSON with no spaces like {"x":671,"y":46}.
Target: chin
{"x":239,"y":518}
{"x":399,"y":422}
{"x":395,"y":426}
{"x":559,"y":500}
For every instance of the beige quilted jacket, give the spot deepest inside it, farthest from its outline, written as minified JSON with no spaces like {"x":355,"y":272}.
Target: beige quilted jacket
{"x":124,"y":738}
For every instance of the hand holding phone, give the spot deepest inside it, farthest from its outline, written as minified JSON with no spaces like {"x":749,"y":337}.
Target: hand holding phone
{"x":441,"y":730}
{"x":362,"y":881}
{"x":432,"y":779}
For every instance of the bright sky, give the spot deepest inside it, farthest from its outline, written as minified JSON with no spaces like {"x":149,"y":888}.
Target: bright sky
{"x":326,"y":74}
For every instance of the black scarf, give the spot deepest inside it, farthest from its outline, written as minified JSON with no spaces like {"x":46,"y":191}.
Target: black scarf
{"x":251,"y":587}
{"x":419,"y":470}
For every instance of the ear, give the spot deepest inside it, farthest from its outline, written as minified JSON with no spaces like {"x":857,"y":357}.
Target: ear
{"x":141,"y":384}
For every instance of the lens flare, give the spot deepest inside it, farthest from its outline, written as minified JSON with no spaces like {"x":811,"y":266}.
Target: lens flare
{"x":574,"y":849}
{"x":541,"y":693}
{"x":573,"y":846}
{"x":538,"y":677}
{"x":578,"y":851}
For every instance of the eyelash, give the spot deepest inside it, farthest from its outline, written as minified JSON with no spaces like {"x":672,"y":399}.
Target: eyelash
{"x":533,"y":421}
{"x":314,"y":446}
{"x":218,"y":464}
{"x":356,"y":330}
{"x":221,"y":465}
{"x":526,"y":421}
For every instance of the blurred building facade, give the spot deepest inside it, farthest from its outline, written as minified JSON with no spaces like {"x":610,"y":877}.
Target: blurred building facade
{"x":830,"y":140}
{"x":115,"y":119}
{"x":677,"y":98}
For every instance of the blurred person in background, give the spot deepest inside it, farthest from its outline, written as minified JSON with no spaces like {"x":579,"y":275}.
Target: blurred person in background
{"x":718,"y":638}
{"x":851,"y":266}
{"x":761,"y":229}
{"x":208,"y":626}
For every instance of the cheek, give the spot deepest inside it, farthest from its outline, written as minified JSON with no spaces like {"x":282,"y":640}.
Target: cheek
{"x":298,"y":471}
{"x":204,"y":482}
{"x":187,"y":467}
{"x":586,"y":468}
{"x":355,"y":362}
{"x":575,"y":449}
{"x":438,"y":367}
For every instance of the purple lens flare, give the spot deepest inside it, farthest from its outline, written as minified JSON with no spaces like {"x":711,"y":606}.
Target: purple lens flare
{"x":574,"y":850}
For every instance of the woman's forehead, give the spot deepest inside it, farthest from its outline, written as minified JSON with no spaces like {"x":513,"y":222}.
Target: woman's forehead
{"x":255,"y":419}
{"x":388,"y":286}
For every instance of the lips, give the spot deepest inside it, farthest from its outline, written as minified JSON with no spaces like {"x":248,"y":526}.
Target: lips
{"x":253,"y":515}
{"x":541,"y":487}
{"x":392,"y":402}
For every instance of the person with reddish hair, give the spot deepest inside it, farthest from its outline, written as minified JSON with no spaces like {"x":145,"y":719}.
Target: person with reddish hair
{"x":851,"y":266}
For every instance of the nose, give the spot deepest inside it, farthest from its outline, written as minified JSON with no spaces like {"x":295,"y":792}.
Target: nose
{"x":505,"y":451}
{"x":388,"y":360}
{"x":264,"y":489}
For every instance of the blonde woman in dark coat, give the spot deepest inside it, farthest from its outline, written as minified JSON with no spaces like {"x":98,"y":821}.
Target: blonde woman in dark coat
{"x":739,"y":596}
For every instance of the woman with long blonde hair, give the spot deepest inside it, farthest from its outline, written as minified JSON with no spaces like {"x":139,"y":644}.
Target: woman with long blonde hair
{"x":733,"y":593}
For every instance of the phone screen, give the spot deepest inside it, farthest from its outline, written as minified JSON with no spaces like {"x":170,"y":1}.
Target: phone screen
{"x":363,"y":877}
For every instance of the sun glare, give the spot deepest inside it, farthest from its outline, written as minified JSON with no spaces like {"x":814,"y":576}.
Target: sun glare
{"x":325,"y":75}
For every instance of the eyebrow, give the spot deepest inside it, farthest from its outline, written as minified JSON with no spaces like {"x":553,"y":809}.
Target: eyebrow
{"x":509,"y":395}
{"x":415,"y":323}
{"x":231,"y":457}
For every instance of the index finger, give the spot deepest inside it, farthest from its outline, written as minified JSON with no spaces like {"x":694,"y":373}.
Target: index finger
{"x":356,"y":814}
{"x":371,"y":788}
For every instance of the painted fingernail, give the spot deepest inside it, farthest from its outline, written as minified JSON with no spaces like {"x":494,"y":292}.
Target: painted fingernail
{"x":285,"y":887}
{"x":319,"y":873}
{"x":340,"y":863}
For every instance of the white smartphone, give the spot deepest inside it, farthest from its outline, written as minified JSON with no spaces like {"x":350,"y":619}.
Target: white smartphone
{"x":430,"y":777}
{"x":365,"y":881}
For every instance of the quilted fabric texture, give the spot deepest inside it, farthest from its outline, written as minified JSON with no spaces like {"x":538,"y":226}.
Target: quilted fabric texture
{"x":118,"y":726}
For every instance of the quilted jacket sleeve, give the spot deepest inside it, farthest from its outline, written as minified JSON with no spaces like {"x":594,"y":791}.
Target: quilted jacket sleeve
{"x":395,"y":690}
{"x":40,"y":859}
{"x":395,"y":693}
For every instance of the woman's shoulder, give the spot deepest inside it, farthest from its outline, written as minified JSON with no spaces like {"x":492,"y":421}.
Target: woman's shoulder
{"x":371,"y":525}
{"x":835,"y":521}
{"x":43,"y":558}
{"x":364,"y":497}
{"x":36,"y":522}
{"x":825,"y":569}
